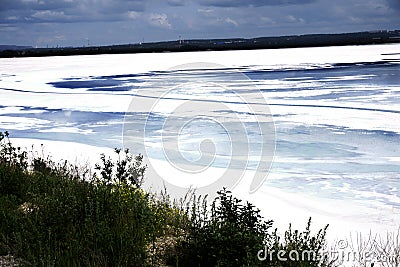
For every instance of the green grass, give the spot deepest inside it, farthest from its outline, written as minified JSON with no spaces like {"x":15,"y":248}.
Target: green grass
{"x":55,"y":214}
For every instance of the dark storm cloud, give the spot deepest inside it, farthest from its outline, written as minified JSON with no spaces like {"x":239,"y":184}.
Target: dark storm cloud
{"x":176,"y":2}
{"x":61,"y":4}
{"x":243,"y":3}
{"x":74,"y":22}
{"x":395,"y":4}
{"x":8,"y":5}
{"x":20,"y":11}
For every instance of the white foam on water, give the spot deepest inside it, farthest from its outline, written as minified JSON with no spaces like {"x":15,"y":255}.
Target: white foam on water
{"x":21,"y":123}
{"x":27,"y":83}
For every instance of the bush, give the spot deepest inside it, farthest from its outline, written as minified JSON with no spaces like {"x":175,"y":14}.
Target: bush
{"x":232,"y":233}
{"x":52,"y":214}
{"x":299,"y":248}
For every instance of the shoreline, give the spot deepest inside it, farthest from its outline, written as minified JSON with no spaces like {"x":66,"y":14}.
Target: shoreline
{"x":344,"y":218}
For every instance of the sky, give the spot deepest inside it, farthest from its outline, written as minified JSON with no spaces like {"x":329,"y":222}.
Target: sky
{"x":64,"y":23}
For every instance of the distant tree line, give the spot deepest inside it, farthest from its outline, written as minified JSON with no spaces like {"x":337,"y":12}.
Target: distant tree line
{"x":308,"y":40}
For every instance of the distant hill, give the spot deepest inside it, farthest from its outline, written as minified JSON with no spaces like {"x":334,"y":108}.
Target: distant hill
{"x":308,"y":40}
{"x":14,"y":47}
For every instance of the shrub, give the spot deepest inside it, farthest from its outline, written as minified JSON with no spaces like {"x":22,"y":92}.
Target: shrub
{"x":11,"y":156}
{"x":232,"y":233}
{"x":51,"y":214}
{"x":299,"y":248}
{"x":127,"y":171}
{"x":229,"y":233}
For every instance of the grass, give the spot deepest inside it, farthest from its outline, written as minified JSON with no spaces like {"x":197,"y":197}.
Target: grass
{"x":55,"y":214}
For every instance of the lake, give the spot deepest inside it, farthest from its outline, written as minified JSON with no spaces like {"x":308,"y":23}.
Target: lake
{"x":315,"y":131}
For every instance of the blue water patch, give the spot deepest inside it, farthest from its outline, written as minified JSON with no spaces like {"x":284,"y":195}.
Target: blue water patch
{"x":100,"y":83}
{"x":308,"y":150}
{"x":85,"y":84}
{"x":112,"y":89}
{"x":343,"y":93}
{"x":377,"y":64}
{"x":94,"y":128}
{"x":337,"y":107}
{"x":380,"y":72}
{"x":67,"y":116}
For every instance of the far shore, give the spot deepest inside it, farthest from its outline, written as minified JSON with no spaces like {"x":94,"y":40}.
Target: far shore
{"x":293,"y":41}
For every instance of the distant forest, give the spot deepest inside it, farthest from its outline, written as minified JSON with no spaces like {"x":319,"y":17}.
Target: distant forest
{"x":308,"y":40}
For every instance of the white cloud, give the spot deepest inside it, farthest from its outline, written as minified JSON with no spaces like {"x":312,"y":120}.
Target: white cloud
{"x":8,"y":28}
{"x":355,"y":19}
{"x":205,"y":10}
{"x":231,"y":21}
{"x":267,"y":20}
{"x":293,"y":19}
{"x":133,"y":14}
{"x":49,"y":15}
{"x":159,"y":20}
{"x":59,"y":37}
{"x":12,"y":18}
